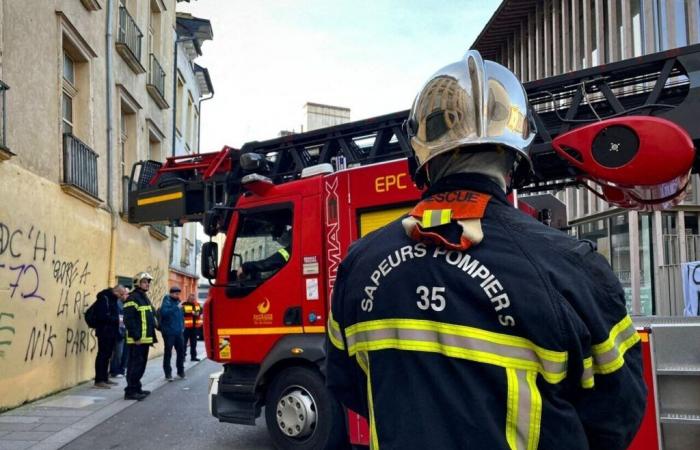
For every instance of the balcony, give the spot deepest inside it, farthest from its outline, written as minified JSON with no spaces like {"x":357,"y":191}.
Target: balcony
{"x":156,"y":82}
{"x":158,"y":231}
{"x":129,"y":40}
{"x":79,"y":170}
{"x":5,"y":152}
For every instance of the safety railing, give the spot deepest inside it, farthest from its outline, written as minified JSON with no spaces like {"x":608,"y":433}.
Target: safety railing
{"x":3,"y":110}
{"x":156,"y":81}
{"x":129,"y":33}
{"x":159,"y":227}
{"x":79,"y":165}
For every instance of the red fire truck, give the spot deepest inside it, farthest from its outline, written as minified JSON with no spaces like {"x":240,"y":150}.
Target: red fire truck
{"x":329,"y":187}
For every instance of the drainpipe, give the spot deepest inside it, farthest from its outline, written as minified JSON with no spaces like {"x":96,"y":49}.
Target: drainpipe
{"x":199,"y":124}
{"x":109,"y":48}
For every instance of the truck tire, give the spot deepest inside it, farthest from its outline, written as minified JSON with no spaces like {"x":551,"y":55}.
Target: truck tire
{"x":301,"y":414}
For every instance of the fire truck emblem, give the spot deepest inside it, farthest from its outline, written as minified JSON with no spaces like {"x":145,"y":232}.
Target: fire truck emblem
{"x":264,"y":307}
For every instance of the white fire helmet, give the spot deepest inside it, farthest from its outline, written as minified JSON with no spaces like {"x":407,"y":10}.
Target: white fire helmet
{"x":142,"y":276}
{"x":472,"y":105}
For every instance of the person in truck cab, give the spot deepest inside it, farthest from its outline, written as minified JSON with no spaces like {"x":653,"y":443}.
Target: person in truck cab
{"x":468,"y":324}
{"x":282,"y":234}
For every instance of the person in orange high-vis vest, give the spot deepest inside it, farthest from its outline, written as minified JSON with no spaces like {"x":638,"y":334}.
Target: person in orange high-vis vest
{"x":193,"y":324}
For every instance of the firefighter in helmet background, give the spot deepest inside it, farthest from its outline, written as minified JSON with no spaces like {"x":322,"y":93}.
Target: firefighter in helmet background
{"x":192,"y":312}
{"x":140,"y":323}
{"x":468,"y":324}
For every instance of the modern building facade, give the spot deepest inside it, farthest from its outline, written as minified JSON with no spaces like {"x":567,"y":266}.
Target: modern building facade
{"x":318,"y":116}
{"x":193,"y":87}
{"x":85,"y":91}
{"x":541,"y":38}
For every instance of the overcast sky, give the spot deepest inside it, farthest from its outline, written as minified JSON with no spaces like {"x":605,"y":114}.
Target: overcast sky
{"x":269,"y":57}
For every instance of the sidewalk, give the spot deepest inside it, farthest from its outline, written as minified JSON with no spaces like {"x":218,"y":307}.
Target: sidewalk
{"x":54,"y":421}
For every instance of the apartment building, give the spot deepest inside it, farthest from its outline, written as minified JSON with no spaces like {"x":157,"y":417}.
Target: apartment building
{"x":541,"y":38}
{"x":193,"y":87}
{"x":85,"y":91}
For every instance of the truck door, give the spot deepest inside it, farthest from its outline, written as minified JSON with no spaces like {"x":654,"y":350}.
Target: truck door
{"x":262,"y":266}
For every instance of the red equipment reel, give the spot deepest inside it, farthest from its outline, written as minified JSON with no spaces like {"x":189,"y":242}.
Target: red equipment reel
{"x":641,"y":162}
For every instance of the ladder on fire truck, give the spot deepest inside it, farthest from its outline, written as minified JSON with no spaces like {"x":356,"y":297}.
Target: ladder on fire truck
{"x":664,"y":85}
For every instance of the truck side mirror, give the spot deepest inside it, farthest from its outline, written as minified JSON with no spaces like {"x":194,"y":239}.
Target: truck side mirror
{"x":253,"y":162}
{"x":210,"y":260}
{"x":211,"y":223}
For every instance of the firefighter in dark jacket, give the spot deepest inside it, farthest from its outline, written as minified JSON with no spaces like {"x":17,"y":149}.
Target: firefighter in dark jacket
{"x":107,"y":332}
{"x":140,"y":322}
{"x":192,"y":314}
{"x":468,"y":324}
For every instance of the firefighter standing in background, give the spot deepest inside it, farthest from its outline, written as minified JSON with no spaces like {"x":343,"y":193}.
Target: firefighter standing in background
{"x":193,"y":324}
{"x":468,"y":324}
{"x":140,"y":323}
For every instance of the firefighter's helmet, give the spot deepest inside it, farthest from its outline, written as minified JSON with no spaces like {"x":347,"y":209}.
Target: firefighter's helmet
{"x":142,"y":276}
{"x":468,"y":105}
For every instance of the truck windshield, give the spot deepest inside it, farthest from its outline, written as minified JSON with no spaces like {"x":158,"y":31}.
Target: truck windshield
{"x":263,"y":244}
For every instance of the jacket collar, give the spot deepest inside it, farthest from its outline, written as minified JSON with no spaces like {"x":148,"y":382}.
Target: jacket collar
{"x":472,"y":181}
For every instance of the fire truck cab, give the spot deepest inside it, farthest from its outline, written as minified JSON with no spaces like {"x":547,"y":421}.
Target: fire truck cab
{"x":268,"y":328}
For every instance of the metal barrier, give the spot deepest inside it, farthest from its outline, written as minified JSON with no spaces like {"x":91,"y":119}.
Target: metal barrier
{"x":129,"y":33}
{"x":79,"y":165}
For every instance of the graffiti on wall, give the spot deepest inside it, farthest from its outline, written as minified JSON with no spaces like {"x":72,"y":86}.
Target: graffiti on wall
{"x":7,"y":331}
{"x":34,"y":271}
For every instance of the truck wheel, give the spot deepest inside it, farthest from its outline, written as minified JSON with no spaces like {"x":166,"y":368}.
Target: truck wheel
{"x":301,"y":414}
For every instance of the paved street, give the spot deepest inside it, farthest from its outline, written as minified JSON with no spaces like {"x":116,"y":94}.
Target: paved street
{"x":174,"y":416}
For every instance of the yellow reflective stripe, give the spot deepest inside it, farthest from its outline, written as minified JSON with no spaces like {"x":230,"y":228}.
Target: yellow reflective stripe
{"x":144,"y":308}
{"x":130,"y":340}
{"x":587,"y":380}
{"x":267,"y":330}
{"x":608,"y":356}
{"x":535,"y":412}
{"x":445,"y":216}
{"x":457,"y":342}
{"x":435,"y":217}
{"x":315,"y":329}
{"x":158,"y":198}
{"x":363,"y":362}
{"x":458,"y":330}
{"x":144,"y":329}
{"x":523,"y":410}
{"x":334,"y":333}
{"x":131,"y":304}
{"x":512,"y":409}
{"x":284,"y":253}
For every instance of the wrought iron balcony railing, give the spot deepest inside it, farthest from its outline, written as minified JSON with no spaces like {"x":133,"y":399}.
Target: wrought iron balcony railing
{"x":156,"y":81}
{"x":3,"y":110}
{"x":79,"y":165}
{"x":129,"y":40}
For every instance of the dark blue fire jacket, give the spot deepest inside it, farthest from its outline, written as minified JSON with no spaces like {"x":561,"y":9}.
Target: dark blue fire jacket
{"x":522,"y":341}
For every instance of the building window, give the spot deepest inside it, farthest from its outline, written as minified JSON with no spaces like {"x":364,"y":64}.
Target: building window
{"x":128,"y":142}
{"x":636,"y":9}
{"x":195,"y":133}
{"x":620,"y":254}
{"x":646,"y":278}
{"x":179,"y":104}
{"x":69,"y":92}
{"x":189,"y":122}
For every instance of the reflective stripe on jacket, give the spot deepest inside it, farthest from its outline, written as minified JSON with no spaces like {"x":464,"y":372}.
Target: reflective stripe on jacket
{"x":139,"y":319}
{"x":192,"y":314}
{"x":520,"y":342}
